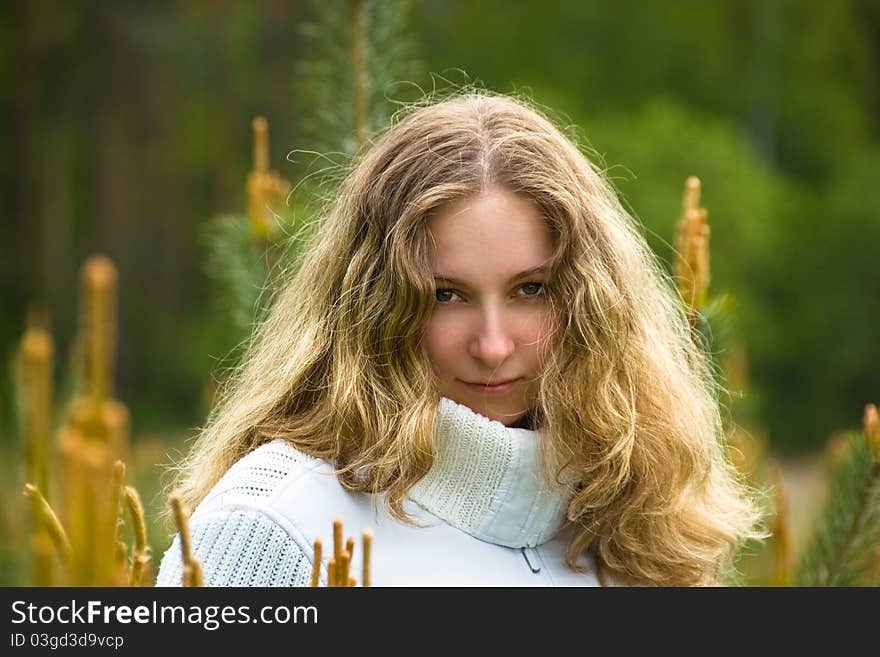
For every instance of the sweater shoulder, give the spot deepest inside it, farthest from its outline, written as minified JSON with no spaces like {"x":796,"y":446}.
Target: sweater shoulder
{"x":239,"y":548}
{"x":255,"y":479}
{"x":236,"y":532}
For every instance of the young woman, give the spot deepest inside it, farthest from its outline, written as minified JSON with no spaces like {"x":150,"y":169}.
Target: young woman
{"x":480,"y":359}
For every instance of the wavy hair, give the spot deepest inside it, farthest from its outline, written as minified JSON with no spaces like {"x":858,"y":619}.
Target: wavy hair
{"x":627,"y":401}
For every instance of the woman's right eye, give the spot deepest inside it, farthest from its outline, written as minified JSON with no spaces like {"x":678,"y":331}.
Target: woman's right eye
{"x":446,"y":295}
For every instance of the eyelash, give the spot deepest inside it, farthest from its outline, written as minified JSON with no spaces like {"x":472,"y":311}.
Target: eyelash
{"x":541,"y":291}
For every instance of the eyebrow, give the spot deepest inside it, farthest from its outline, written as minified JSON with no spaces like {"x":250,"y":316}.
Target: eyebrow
{"x":540,"y":269}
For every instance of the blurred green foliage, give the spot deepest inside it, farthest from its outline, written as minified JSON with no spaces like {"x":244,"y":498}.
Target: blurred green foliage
{"x":128,"y":129}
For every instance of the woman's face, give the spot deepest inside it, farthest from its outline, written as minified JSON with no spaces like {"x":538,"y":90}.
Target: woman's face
{"x":491,"y":319}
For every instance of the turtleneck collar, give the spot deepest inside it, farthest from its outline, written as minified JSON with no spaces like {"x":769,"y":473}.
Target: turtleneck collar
{"x":486,"y":480}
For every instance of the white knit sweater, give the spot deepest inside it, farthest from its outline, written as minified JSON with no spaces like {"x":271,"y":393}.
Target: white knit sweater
{"x":485,"y":483}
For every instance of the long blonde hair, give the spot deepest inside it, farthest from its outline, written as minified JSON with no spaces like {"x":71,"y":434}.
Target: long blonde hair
{"x":627,"y":400}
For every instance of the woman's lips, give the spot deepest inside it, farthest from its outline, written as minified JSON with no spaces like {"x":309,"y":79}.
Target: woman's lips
{"x":497,"y":389}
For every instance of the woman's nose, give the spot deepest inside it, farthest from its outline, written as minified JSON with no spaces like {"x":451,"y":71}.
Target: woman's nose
{"x":493,"y":343}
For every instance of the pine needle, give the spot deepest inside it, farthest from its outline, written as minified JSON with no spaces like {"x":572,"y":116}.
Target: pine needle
{"x":316,"y":564}
{"x":44,"y":511}
{"x":192,"y":569}
{"x":367,"y":547}
{"x":140,"y":551}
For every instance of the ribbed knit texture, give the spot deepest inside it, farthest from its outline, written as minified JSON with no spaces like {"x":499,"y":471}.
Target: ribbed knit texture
{"x":254,"y":477}
{"x":485,"y":480}
{"x":239,"y":548}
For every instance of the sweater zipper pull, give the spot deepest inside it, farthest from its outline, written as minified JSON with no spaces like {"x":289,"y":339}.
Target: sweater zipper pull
{"x":531,"y":558}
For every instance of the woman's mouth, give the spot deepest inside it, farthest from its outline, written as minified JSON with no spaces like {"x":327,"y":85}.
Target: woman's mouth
{"x":496,"y":389}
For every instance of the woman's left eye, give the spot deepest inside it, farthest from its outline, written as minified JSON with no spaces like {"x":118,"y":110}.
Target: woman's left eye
{"x":532,"y":289}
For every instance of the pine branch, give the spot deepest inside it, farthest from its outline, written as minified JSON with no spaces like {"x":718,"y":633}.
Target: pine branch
{"x":842,"y":550}
{"x":361,"y":53}
{"x":714,"y":328}
{"x":711,"y":319}
{"x":234,"y":262}
{"x":360,"y":82}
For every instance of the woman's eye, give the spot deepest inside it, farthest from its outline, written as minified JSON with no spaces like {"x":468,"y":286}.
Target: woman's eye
{"x":445,"y":295}
{"x":532,"y":289}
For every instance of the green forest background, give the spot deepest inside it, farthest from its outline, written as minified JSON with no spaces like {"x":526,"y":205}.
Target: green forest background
{"x":128,"y":130}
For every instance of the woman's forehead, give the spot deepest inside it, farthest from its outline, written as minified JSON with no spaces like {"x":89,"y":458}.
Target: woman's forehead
{"x":494,"y":226}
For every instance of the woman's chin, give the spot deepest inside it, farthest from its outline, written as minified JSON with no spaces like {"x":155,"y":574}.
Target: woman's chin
{"x":506,"y":414}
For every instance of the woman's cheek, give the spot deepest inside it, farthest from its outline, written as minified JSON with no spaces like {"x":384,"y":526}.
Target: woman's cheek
{"x":541,"y":337}
{"x":439,"y":342}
